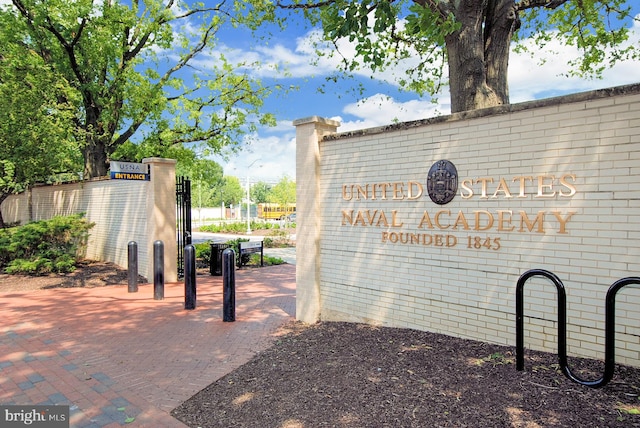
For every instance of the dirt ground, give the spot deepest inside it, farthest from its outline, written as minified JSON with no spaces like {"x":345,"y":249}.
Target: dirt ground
{"x":352,"y":375}
{"x":88,"y":274}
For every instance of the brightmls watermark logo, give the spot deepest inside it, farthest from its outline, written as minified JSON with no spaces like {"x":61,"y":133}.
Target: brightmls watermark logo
{"x":34,"y":416}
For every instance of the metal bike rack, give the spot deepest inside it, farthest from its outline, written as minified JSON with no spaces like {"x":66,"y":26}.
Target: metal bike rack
{"x":609,"y":338}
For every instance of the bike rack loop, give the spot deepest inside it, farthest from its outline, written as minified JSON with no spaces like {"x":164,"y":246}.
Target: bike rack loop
{"x":609,"y":338}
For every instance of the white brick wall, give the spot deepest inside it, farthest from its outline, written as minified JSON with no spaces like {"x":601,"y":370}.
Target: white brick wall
{"x":120,"y":211}
{"x":470,"y":292}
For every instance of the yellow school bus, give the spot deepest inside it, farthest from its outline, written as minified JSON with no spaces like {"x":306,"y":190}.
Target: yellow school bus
{"x":275,"y":211}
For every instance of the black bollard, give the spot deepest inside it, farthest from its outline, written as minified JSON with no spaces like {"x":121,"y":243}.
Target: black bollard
{"x":189,"y":277}
{"x":158,"y":270}
{"x":132,"y":249}
{"x":228,"y":285}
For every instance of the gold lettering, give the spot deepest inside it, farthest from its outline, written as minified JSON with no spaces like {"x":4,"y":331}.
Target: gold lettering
{"x":384,"y":190}
{"x":425,"y":220}
{"x":362,"y":192}
{"x":504,"y":217}
{"x":523,"y":180}
{"x":502,"y":187}
{"x":347,"y":217}
{"x":565,"y":183}
{"x":437,"y":219}
{"x":371,"y":217}
{"x":394,"y":219}
{"x":344,"y":193}
{"x":484,"y":182}
{"x":477,"y":219}
{"x":412,"y":196}
{"x":525,"y":219}
{"x":461,"y":219}
{"x":466,"y":192}
{"x":542,"y":186}
{"x":359,"y":219}
{"x":398,"y":191}
{"x":563,"y":221}
{"x":382,"y":220}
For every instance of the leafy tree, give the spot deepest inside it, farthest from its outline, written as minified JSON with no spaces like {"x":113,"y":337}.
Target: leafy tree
{"x":232,"y":191}
{"x":36,"y":139}
{"x":260,"y":192}
{"x":143,"y":70}
{"x":472,"y":39}
{"x":205,"y":175}
{"x":284,"y":192}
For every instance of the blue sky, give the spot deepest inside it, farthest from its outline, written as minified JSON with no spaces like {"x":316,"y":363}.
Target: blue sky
{"x":272,"y":151}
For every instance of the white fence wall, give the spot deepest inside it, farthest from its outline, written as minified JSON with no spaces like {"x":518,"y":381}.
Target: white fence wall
{"x":120,"y":209}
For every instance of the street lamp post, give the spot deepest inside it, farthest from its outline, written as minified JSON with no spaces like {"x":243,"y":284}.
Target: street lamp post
{"x":248,"y":207}
{"x":249,"y":199}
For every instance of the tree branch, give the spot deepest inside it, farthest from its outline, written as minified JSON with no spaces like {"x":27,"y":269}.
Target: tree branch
{"x":547,"y":4}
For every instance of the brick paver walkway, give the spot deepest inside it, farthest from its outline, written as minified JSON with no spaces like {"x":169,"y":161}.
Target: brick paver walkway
{"x":120,"y":358}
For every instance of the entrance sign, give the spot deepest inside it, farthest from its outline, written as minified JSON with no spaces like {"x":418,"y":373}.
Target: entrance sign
{"x":428,"y":224}
{"x":129,"y":171}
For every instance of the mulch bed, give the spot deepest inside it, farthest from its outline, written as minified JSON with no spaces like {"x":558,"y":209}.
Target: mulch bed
{"x":353,"y":375}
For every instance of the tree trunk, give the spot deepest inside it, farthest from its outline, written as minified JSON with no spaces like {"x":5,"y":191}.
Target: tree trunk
{"x":95,"y":158}
{"x":478,"y":54}
{"x":94,"y":150}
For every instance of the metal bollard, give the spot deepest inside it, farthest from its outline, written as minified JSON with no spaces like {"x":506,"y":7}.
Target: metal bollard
{"x":228,"y":285}
{"x":158,"y":270}
{"x":189,"y":277}
{"x":132,"y":273}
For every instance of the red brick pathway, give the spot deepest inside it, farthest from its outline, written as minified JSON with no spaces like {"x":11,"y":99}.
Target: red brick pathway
{"x":120,"y":358}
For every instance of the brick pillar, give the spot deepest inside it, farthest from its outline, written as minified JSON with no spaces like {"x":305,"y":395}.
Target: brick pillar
{"x":309,"y":133}
{"x":161,"y":211}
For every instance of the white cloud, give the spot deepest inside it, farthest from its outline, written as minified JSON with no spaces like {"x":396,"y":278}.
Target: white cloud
{"x":380,"y":109}
{"x":270,"y":157}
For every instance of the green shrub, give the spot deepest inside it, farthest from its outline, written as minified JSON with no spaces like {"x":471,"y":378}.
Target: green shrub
{"x":268,"y":260}
{"x":239,"y":227}
{"x":277,"y":239}
{"x":235,"y":244}
{"x":44,"y":246}
{"x":203,"y":251}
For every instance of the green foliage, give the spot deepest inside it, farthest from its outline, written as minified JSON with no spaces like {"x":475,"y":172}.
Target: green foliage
{"x":203,"y":254}
{"x":599,"y":29}
{"x":44,"y":246}
{"x":128,"y":69}
{"x":277,"y":239}
{"x":36,"y":118}
{"x":232,"y":191}
{"x":207,"y":180}
{"x":283,"y":193}
{"x":260,"y":192}
{"x":235,"y":244}
{"x":267,"y":260}
{"x":238,"y":227}
{"x":203,"y":251}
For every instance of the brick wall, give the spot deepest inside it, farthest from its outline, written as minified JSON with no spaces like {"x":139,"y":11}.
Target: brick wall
{"x":559,"y":180}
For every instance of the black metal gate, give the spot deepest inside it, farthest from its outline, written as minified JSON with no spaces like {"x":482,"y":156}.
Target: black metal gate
{"x":183,"y":204}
